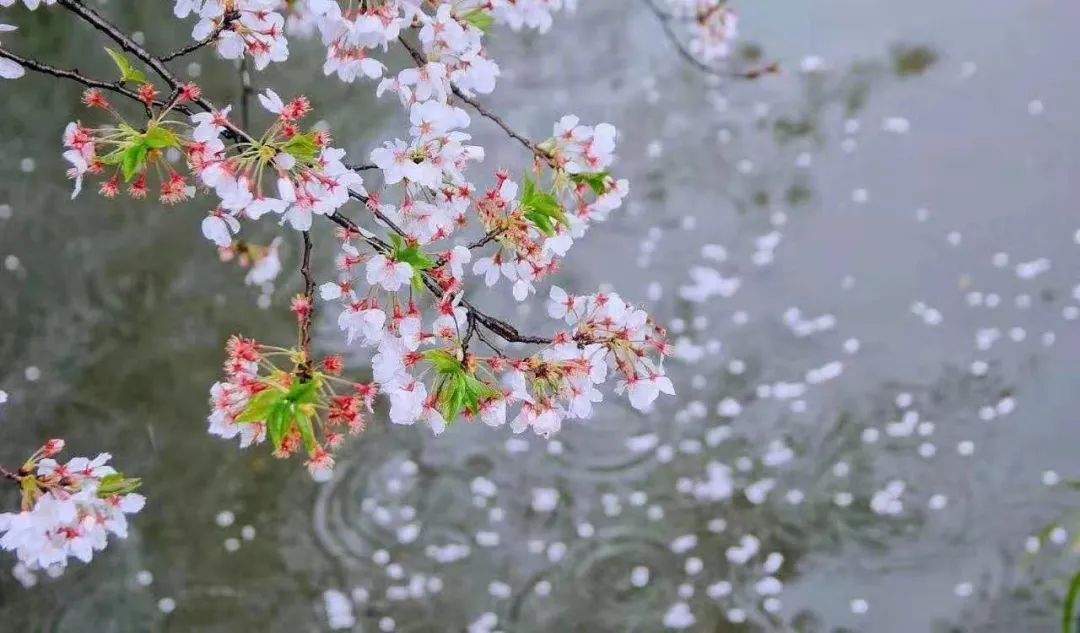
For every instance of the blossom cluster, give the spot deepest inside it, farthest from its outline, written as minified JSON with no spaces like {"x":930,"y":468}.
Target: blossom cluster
{"x":299,"y":408}
{"x":68,"y":510}
{"x":253,"y":28}
{"x":353,"y":31}
{"x":713,"y":26}
{"x":408,"y":243}
{"x":306,"y":176}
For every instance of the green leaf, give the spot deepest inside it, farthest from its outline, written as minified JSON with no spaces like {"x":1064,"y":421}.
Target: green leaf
{"x":444,"y":362}
{"x":127,"y":71}
{"x":278,"y":423}
{"x":304,"y":392}
{"x":597,"y":181}
{"x":117,"y":484}
{"x":158,"y":137}
{"x":411,"y":255}
{"x":302,"y":147}
{"x":1068,"y":613}
{"x":133,"y":159}
{"x":541,"y":222}
{"x":479,"y":391}
{"x":479,"y":19}
{"x":259,"y":407}
{"x":541,"y":208}
{"x":303,"y":422}
{"x":452,"y":398}
{"x":114,"y":157}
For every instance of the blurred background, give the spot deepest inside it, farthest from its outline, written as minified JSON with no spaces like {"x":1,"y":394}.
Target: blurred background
{"x":873,"y":397}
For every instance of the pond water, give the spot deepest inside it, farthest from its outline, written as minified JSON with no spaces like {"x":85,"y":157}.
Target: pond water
{"x":869,"y":271}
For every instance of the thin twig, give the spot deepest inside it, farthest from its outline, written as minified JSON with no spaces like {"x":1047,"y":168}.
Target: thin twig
{"x":469,"y":331}
{"x":666,"y":20}
{"x":309,"y":293}
{"x":94,"y":19}
{"x":74,"y":75}
{"x":191,"y":48}
{"x":361,"y":166}
{"x":498,"y":352}
{"x":476,"y":105}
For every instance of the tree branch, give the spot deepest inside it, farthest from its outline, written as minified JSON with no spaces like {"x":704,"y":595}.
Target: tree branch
{"x":74,"y":75}
{"x":476,"y":105}
{"x":665,"y":21}
{"x":497,"y":326}
{"x":308,"y":317}
{"x":93,"y":18}
{"x":191,"y":48}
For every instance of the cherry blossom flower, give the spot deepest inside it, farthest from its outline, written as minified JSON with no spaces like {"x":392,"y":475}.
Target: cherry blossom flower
{"x":69,"y":510}
{"x":243,"y":27}
{"x":363,"y":322}
{"x":219,"y":227}
{"x":388,"y":274}
{"x":533,"y":14}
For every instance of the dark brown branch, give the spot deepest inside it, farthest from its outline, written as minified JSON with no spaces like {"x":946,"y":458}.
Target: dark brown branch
{"x":191,"y":48}
{"x":487,"y":114}
{"x":309,"y":316}
{"x":94,"y":19}
{"x":361,"y":166}
{"x":469,"y":331}
{"x":74,"y":75}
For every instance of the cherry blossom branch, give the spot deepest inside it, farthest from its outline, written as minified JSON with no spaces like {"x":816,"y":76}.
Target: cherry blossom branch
{"x":96,"y":20}
{"x":666,"y":20}
{"x":497,"y":326}
{"x":209,"y":39}
{"x":487,"y":114}
{"x":361,"y":166}
{"x":74,"y":75}
{"x":476,"y":105}
{"x":7,"y":474}
{"x":308,"y":314}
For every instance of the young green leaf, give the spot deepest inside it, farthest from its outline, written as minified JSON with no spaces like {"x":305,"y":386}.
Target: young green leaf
{"x":443,"y":361}
{"x":258,"y":408}
{"x":541,"y":208}
{"x":133,"y":160}
{"x":452,"y":397}
{"x":117,"y":484}
{"x":304,"y":392}
{"x":479,"y":19}
{"x":158,"y":137}
{"x":597,"y":181}
{"x":278,"y":423}
{"x":302,"y":147}
{"x":127,"y":71}
{"x":303,"y":422}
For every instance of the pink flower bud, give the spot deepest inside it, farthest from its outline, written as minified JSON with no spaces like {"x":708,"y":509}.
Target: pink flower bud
{"x":52,"y":448}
